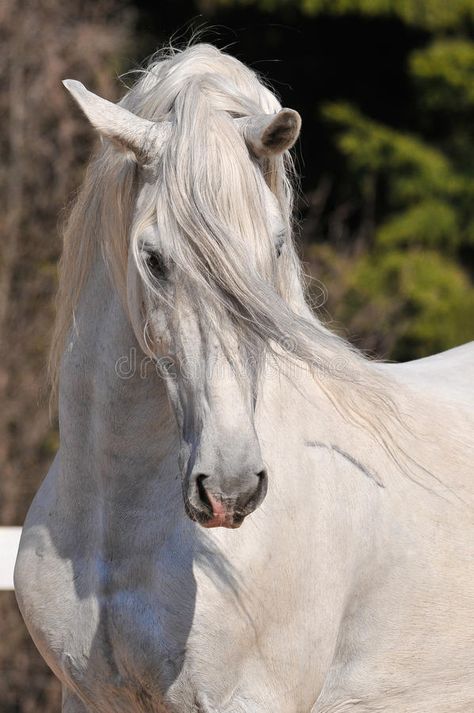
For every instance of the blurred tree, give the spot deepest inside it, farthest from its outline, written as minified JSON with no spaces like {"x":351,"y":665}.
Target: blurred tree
{"x":43,"y":148}
{"x":43,"y":145}
{"x":434,"y":15}
{"x":415,"y":301}
{"x":425,"y":200}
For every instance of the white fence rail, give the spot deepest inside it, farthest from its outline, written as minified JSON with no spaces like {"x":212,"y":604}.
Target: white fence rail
{"x":9,"y":541}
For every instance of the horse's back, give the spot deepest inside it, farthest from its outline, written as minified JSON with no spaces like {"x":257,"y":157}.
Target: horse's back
{"x":449,"y":374}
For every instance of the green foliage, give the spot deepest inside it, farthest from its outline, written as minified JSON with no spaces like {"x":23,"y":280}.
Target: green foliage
{"x":429,"y":223}
{"x":428,"y":14}
{"x":411,"y":167}
{"x":428,"y":198}
{"x":425,"y":301}
{"x":399,"y":304}
{"x":444,"y":72}
{"x":421,"y":302}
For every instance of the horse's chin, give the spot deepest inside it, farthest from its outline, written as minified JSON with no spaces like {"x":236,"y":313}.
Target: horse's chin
{"x":230,"y":523}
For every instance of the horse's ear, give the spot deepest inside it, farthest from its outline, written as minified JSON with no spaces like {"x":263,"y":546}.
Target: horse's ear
{"x":126,"y":129}
{"x":270,"y":134}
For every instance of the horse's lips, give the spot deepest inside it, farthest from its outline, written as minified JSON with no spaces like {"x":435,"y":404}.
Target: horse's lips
{"x":220,"y":522}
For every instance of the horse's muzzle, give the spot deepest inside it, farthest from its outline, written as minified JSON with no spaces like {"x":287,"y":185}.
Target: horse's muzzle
{"x":208,"y":505}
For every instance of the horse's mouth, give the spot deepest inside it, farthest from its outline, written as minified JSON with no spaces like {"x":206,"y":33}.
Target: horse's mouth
{"x":208,"y":518}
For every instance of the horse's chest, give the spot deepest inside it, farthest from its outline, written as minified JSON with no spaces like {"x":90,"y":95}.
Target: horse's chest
{"x":155,"y":646}
{"x":166,"y":628}
{"x":136,"y":648}
{"x":170,"y":649}
{"x":121,"y":647}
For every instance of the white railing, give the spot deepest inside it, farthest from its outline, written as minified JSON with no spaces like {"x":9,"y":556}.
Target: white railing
{"x":9,"y":540}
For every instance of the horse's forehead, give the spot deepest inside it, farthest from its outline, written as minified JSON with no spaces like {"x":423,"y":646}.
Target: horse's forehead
{"x":148,"y":199}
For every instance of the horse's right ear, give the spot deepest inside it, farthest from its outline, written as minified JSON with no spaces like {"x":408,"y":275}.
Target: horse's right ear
{"x":129,"y":131}
{"x":270,"y":134}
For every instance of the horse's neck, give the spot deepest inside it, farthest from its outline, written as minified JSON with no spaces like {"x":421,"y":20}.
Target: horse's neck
{"x":115,"y":422}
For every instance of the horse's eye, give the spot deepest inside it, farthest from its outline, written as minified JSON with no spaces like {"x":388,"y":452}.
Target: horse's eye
{"x":156,"y":265}
{"x":280,"y":244}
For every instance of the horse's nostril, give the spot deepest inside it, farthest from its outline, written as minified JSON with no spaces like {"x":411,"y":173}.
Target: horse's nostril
{"x":203,"y":497}
{"x":224,"y":500}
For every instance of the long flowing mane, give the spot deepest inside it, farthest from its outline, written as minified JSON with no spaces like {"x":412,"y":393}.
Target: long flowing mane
{"x":207,"y":191}
{"x":101,"y":217}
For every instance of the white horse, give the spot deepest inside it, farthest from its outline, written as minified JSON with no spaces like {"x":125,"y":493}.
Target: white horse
{"x":194,"y":380}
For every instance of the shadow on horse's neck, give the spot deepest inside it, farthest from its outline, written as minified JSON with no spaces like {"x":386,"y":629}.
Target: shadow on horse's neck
{"x":128,"y":413}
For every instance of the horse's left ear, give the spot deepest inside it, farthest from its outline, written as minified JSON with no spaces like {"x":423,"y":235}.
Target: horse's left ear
{"x":270,"y":134}
{"x":124,"y":128}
